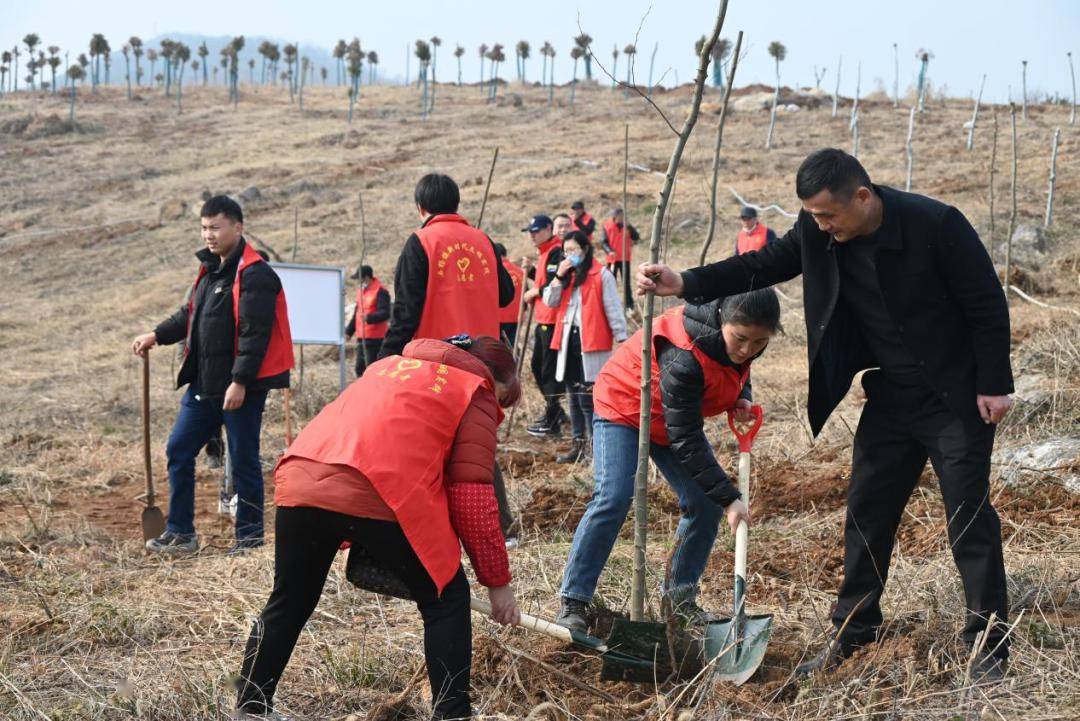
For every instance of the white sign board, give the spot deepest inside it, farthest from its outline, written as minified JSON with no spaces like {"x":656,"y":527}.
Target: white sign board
{"x":315,"y":296}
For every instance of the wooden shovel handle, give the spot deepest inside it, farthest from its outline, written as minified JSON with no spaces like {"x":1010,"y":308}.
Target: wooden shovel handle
{"x":146,"y":429}
{"x":531,"y":623}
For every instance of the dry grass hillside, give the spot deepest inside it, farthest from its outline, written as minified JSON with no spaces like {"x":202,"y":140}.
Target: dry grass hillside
{"x":97,"y":229}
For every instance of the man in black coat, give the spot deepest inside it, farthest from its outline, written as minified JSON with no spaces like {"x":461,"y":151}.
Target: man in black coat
{"x":900,"y":284}
{"x":223,"y":369}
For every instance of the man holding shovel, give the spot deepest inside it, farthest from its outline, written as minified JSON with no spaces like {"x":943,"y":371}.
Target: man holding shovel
{"x":235,"y":327}
{"x":899,"y":284}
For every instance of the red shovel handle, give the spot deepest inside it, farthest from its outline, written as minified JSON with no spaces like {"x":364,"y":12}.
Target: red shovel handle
{"x":746,"y":440}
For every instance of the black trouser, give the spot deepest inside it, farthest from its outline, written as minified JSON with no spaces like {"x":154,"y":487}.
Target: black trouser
{"x":373,"y":346}
{"x":544,"y":364}
{"x":307,"y":539}
{"x":900,"y":427}
{"x":508,"y":331}
{"x":621,"y":270}
{"x":578,"y":392}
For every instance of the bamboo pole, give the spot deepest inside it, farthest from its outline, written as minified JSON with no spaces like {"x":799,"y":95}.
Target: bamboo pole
{"x":641,"y":511}
{"x":1023,"y":88}
{"x":910,"y":152}
{"x":975,"y":115}
{"x":1053,"y":177}
{"x":716,"y":150}
{"x":359,"y":315}
{"x":626,"y":240}
{"x":993,"y":170}
{"x":1012,"y":190}
{"x":487,"y":188}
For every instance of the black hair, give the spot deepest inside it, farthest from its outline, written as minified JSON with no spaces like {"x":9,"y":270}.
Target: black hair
{"x":436,"y":193}
{"x":758,"y":307}
{"x":578,"y":205}
{"x":366,"y":271}
{"x":833,"y":170}
{"x":500,"y":250}
{"x":582,"y":269}
{"x":222,"y":205}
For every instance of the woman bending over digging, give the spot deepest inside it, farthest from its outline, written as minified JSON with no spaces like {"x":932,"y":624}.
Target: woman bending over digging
{"x":399,"y":465}
{"x":701,"y":360}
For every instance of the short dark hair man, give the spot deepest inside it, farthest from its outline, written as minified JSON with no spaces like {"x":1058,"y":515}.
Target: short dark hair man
{"x":901,"y":284}
{"x":235,"y":327}
{"x":753,"y":235}
{"x":447,"y":280}
{"x":581,"y":219}
{"x":373,"y":313}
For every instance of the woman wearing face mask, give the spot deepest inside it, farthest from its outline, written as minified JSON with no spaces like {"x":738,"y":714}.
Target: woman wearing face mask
{"x":400,"y":465}
{"x":701,"y":368}
{"x":590,"y":318}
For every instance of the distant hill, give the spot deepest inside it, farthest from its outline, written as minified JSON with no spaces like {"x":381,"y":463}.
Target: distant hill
{"x":319,"y":56}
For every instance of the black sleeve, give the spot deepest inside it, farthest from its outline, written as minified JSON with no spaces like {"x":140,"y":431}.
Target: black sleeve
{"x":174,"y":328}
{"x":382,"y":308}
{"x":770,"y":236}
{"x":772,"y":264}
{"x":350,"y":327}
{"x":589,"y":227}
{"x":506,"y":283}
{"x":747,"y":392}
{"x":410,"y":290}
{"x":634,"y":236}
{"x":258,"y":303}
{"x":972,"y":280}
{"x":682,"y":384}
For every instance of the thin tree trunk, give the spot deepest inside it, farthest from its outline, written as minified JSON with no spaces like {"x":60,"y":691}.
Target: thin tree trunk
{"x":922,"y":86}
{"x":127,"y":72}
{"x":1072,"y":74}
{"x":641,"y":511}
{"x":975,"y":115}
{"x":716,"y":152}
{"x":1012,"y":211}
{"x":652,"y":62}
{"x":855,"y":105}
{"x":855,"y":136}
{"x":836,"y":93}
{"x":1053,"y":177}
{"x":910,"y":153}
{"x":993,"y":170}
{"x":772,"y":114}
{"x":487,"y":187}
{"x":626,"y":241}
{"x":1023,"y":88}
{"x":359,"y":315}
{"x":896,"y":77}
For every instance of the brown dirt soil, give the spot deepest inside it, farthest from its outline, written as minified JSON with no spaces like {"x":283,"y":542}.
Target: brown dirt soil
{"x":788,"y":488}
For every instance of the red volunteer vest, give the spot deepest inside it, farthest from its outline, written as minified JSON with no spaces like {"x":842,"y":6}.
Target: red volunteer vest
{"x":365,"y":304}
{"x":754,"y":240}
{"x":396,"y":424}
{"x":509,"y":314}
{"x":618,"y":240}
{"x":463,"y":280}
{"x":279,"y":352}
{"x":595,"y":331}
{"x":617,"y":393}
{"x":542,"y":314}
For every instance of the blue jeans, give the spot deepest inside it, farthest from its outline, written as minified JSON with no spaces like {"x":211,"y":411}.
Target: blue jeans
{"x":195,"y":424}
{"x":614,"y":464}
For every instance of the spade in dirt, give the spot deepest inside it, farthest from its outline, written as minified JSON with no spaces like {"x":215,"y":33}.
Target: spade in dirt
{"x":153,"y":521}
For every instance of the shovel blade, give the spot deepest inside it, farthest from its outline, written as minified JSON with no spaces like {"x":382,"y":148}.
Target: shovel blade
{"x":153,"y":523}
{"x":637,"y":652}
{"x":737,"y":658}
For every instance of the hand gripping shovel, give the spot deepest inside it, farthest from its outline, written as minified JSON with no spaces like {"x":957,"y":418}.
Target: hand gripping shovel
{"x":153,"y":522}
{"x":738,"y":644}
{"x":365,"y":572}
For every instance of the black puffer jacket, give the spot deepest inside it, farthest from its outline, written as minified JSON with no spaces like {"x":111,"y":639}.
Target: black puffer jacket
{"x":215,"y":357}
{"x":682,"y":386}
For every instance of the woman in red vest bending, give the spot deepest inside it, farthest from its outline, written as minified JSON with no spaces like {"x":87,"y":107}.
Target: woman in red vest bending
{"x":399,"y":465}
{"x":701,"y":360}
{"x":590,"y":318}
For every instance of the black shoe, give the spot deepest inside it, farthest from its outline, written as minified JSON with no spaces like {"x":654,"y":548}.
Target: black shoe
{"x":577,"y":453}
{"x":988,"y":668}
{"x":545,"y":429}
{"x":574,"y":615}
{"x":831,"y":656}
{"x":173,"y":544}
{"x":244,"y":545}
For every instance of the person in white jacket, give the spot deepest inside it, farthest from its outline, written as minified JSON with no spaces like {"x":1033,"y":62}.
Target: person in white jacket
{"x":590,"y":320}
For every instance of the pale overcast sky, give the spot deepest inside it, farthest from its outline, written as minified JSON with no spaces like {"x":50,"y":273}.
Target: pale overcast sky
{"x":967,"y":37}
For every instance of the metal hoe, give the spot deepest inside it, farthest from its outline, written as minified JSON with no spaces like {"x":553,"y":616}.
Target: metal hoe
{"x":153,"y":522}
{"x":737,"y":645}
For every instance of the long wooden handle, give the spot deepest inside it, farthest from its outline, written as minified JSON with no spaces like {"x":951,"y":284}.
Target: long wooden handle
{"x":742,"y":531}
{"x":531,"y":623}
{"x":146,"y":428}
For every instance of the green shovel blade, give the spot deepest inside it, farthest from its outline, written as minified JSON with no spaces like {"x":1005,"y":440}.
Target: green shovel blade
{"x":738,"y":648}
